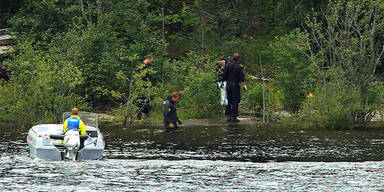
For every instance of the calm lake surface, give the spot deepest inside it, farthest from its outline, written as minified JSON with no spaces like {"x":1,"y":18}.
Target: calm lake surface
{"x":215,"y":158}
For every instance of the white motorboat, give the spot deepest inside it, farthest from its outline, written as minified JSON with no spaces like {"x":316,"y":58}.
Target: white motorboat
{"x":46,"y":141}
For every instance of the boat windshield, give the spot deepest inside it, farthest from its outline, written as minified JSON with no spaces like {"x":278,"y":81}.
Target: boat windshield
{"x":89,"y":119}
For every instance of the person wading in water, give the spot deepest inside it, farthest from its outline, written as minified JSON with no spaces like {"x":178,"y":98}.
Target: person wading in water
{"x":170,"y":116}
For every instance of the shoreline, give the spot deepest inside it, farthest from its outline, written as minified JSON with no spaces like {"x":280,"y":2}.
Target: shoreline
{"x":215,"y":122}
{"x":244,"y":120}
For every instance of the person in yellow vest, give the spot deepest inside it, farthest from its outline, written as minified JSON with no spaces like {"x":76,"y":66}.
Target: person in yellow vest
{"x":74,"y":122}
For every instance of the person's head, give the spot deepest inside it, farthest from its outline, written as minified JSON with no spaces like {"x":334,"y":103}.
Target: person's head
{"x":148,"y":60}
{"x":221,"y":63}
{"x":236,"y":56}
{"x":75,"y":111}
{"x":175,"y":96}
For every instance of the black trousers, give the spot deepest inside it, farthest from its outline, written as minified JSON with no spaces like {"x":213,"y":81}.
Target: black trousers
{"x":144,"y":107}
{"x":233,"y":96}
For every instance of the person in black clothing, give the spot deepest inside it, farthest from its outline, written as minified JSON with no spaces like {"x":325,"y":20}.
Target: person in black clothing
{"x":4,"y":72}
{"x":170,"y":116}
{"x":146,"y":64}
{"x":144,"y":101}
{"x":233,"y":74}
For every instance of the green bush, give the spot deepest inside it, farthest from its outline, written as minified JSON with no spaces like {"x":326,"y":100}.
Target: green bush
{"x":253,"y":98}
{"x":133,"y":91}
{"x":41,"y":88}
{"x":376,"y":93}
{"x":338,"y":112}
{"x":200,"y":97}
{"x":195,"y":78}
{"x":292,"y":72}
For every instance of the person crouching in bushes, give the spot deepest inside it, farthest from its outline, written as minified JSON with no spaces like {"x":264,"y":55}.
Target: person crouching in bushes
{"x":170,"y":115}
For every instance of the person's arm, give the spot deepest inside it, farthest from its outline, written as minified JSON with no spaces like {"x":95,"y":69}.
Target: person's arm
{"x":65,"y":126}
{"x":243,"y":80}
{"x":242,"y":76}
{"x":177,"y":118}
{"x":82,"y":128}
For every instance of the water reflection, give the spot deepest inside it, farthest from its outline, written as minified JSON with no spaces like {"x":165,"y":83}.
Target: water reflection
{"x":235,"y":143}
{"x":225,"y":158}
{"x":241,"y":143}
{"x":188,"y":175}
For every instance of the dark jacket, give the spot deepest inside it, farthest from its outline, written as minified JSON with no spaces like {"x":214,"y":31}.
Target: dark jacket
{"x":170,"y":115}
{"x":145,"y":68}
{"x":233,"y":72}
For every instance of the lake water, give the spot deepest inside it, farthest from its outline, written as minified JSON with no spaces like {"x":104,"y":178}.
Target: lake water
{"x":215,"y":158}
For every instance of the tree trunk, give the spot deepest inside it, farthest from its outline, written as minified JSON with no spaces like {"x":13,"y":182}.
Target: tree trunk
{"x":203,"y":28}
{"x":163,"y":24}
{"x":263,"y":91}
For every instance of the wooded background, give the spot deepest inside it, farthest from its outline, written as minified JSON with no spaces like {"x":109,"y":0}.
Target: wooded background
{"x":319,"y":61}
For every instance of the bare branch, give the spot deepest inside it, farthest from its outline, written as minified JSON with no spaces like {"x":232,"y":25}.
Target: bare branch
{"x":83,"y":12}
{"x":377,"y":61}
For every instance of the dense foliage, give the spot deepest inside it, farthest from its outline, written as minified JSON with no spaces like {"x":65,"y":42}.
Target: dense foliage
{"x":320,"y":61}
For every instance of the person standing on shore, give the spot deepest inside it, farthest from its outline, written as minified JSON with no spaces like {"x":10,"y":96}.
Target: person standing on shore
{"x":233,"y":74}
{"x":170,"y":116}
{"x":222,"y":84}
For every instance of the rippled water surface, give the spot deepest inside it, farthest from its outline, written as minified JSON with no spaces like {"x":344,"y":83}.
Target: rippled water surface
{"x":226,"y":158}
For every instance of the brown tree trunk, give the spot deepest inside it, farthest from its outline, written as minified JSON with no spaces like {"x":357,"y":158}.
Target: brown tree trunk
{"x":203,"y":28}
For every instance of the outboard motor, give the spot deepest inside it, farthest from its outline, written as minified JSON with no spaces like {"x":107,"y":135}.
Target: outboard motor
{"x":71,"y":144}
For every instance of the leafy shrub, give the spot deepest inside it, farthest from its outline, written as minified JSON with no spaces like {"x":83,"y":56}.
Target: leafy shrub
{"x":292,"y":69}
{"x":338,"y":112}
{"x":41,"y":88}
{"x":376,"y":93}
{"x":134,"y":90}
{"x":200,"y":97}
{"x":253,"y":98}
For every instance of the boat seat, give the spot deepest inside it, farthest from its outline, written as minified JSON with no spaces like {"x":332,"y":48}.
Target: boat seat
{"x":59,"y":145}
{"x":61,"y":137}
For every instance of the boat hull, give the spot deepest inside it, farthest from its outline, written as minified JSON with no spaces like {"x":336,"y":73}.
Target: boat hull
{"x":49,"y":153}
{"x":41,"y":146}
